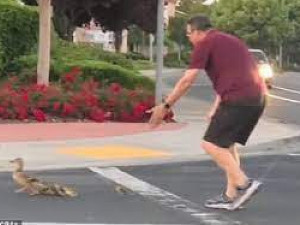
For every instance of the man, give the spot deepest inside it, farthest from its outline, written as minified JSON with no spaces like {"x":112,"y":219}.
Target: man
{"x":240,"y":102}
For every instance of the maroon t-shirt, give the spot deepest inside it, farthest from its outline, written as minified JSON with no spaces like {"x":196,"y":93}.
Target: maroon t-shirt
{"x":229,"y":65}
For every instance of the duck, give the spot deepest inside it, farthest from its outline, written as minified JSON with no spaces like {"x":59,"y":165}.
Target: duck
{"x":34,"y":186}
{"x":121,"y":189}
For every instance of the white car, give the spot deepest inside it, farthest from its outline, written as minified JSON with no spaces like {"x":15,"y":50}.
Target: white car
{"x":264,"y":66}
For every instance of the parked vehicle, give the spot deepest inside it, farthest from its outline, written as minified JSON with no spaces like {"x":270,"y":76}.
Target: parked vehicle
{"x":264,"y":66}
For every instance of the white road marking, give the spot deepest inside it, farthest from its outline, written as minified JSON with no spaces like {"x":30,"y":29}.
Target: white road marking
{"x":287,"y":89}
{"x":163,"y":197}
{"x":284,"y":99}
{"x":294,"y":154}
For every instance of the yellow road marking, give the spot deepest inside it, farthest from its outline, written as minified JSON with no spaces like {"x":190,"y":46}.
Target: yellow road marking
{"x":113,"y":152}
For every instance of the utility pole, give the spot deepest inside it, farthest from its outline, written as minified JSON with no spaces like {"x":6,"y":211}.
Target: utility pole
{"x":159,"y":51}
{"x":43,"y":67}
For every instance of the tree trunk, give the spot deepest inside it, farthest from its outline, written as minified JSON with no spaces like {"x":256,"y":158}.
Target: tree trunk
{"x":143,"y":43}
{"x":118,"y":40}
{"x":151,"y":40}
{"x":63,"y":26}
{"x":124,"y":42}
{"x":43,"y":66}
{"x":179,"y":52}
{"x":280,"y":56}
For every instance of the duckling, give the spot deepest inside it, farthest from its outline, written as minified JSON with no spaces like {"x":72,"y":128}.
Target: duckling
{"x":34,"y":186}
{"x":122,"y":189}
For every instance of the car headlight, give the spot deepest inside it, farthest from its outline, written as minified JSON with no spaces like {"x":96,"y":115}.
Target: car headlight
{"x":265,"y":71}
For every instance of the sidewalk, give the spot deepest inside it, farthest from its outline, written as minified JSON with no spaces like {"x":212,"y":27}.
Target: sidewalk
{"x":75,"y":145}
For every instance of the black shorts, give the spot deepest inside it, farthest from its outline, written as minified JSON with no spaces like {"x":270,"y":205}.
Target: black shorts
{"x":234,"y":122}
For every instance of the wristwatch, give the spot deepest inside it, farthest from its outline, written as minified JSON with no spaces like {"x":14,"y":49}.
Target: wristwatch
{"x":166,"y":105}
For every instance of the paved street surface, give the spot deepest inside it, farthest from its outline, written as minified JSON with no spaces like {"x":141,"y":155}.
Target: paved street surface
{"x":180,"y":190}
{"x":283,"y":101}
{"x":98,"y":203}
{"x":277,"y":204}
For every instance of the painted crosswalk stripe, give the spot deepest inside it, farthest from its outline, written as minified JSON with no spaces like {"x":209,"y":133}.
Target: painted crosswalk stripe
{"x":163,"y":197}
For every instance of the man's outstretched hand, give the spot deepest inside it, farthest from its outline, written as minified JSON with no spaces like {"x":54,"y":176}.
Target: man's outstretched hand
{"x":158,"y":114}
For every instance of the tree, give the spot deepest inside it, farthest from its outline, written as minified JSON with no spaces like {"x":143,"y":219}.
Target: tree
{"x":176,"y":32}
{"x":177,"y":25}
{"x":30,"y":2}
{"x":113,"y":15}
{"x":135,"y":39}
{"x":261,"y":23}
{"x":193,"y":7}
{"x":292,"y":51}
{"x":63,"y":26}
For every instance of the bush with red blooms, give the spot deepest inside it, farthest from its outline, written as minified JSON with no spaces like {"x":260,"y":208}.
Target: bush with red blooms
{"x":74,"y":98}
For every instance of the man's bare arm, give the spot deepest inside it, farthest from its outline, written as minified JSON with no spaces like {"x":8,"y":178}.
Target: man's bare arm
{"x":182,"y":86}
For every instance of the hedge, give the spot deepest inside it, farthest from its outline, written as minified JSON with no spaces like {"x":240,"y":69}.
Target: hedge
{"x":171,"y":60}
{"x":108,"y":73}
{"x":18,"y":31}
{"x":83,"y":51}
{"x":135,"y":56}
{"x":99,"y":70}
{"x":8,"y":2}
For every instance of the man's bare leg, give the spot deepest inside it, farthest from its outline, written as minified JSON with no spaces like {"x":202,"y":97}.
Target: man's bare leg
{"x":231,"y":189}
{"x":226,"y":161}
{"x":235,"y":153}
{"x":23,"y":189}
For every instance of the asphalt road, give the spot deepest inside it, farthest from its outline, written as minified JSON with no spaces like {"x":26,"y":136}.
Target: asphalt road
{"x":178,"y":196}
{"x":277,"y":204}
{"x":283,"y":101}
{"x":98,"y":203}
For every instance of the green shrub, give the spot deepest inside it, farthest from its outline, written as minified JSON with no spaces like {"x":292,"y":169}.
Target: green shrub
{"x":18,"y":31}
{"x":171,"y":60}
{"x":185,"y":57}
{"x":143,"y":65}
{"x":104,"y":72}
{"x":1,"y":58}
{"x":107,"y":73}
{"x":135,"y":56}
{"x":72,"y":51}
{"x":8,"y":2}
{"x":101,"y":71}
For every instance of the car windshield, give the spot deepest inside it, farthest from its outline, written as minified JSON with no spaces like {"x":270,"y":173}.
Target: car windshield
{"x":260,"y":57}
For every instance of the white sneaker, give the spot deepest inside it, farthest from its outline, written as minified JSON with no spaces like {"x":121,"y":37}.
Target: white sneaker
{"x":219,"y":202}
{"x":246,"y":194}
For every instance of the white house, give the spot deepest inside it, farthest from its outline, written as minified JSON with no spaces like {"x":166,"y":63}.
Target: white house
{"x":93,"y":33}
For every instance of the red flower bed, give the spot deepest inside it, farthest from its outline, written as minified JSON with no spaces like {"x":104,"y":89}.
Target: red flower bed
{"x":73,"y":98}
